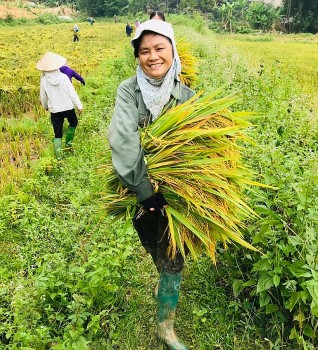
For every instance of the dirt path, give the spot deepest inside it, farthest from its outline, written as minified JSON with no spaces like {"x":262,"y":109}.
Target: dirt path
{"x":33,"y":12}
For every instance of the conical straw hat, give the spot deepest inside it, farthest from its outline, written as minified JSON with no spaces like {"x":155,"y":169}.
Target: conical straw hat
{"x":50,"y":61}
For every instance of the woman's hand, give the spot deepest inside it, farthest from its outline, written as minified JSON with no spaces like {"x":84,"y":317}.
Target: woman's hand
{"x":155,"y":203}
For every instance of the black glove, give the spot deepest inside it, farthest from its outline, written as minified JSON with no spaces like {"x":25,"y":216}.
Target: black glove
{"x":157,"y":201}
{"x":83,"y":82}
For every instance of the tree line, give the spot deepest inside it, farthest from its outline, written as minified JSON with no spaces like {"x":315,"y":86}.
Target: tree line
{"x":293,"y":15}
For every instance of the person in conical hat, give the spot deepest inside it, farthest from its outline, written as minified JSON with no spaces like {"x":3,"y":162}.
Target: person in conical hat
{"x":53,"y":60}
{"x":58,"y":96}
{"x":50,"y":61}
{"x":140,"y":100}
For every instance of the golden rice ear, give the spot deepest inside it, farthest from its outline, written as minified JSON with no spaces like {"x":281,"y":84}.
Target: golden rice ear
{"x":193,"y":153}
{"x":189,"y":63}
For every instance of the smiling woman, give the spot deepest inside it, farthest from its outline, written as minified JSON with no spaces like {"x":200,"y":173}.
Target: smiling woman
{"x":140,"y":100}
{"x":155,"y":55}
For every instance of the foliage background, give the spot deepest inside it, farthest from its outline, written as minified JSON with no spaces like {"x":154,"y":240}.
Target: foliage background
{"x":221,"y":15}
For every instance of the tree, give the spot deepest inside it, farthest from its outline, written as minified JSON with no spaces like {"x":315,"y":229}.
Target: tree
{"x":262,"y":16}
{"x":188,"y":5}
{"x":115,"y":7}
{"x":85,"y":5}
{"x":242,"y":6}
{"x":301,"y":15}
{"x":226,"y":11}
{"x":205,"y":5}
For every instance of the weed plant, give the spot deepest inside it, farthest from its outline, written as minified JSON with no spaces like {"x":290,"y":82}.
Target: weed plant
{"x":283,"y":278}
{"x":70,"y":279}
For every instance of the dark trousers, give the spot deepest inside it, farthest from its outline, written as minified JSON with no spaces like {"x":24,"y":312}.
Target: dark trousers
{"x":75,"y":37}
{"x":152,"y":229}
{"x":57,"y":120}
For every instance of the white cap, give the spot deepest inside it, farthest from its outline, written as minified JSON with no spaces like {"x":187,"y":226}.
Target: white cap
{"x":160,"y":27}
{"x":163,"y":28}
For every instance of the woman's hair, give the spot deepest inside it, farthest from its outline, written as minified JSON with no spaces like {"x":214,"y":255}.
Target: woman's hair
{"x":157,"y":13}
{"x":137,"y":42}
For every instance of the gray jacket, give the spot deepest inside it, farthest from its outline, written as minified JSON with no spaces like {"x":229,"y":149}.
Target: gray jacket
{"x":123,"y":135}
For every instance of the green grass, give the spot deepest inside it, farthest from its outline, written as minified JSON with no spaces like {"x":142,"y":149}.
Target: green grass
{"x":62,"y":259}
{"x":289,"y":52}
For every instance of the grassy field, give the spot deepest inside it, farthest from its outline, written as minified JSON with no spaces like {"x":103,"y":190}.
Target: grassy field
{"x":72,"y":279}
{"x":22,"y":116}
{"x":290,"y":52}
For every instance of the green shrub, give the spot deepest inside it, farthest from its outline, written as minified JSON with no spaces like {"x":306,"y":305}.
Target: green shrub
{"x":71,"y":280}
{"x":195,"y":21}
{"x":48,"y":18}
{"x":281,"y":284}
{"x":9,"y":18}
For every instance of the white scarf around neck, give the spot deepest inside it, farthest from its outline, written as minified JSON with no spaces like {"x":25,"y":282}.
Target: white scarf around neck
{"x":156,"y":92}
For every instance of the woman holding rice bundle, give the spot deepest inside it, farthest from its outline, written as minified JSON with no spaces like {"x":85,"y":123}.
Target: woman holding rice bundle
{"x":140,"y":100}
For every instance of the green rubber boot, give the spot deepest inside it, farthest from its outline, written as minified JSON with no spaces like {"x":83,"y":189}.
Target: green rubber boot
{"x":168,"y":296}
{"x":69,"y":136}
{"x":57,"y":142}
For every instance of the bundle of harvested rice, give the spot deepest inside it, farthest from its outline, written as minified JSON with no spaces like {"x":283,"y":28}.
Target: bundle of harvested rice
{"x":189,"y":63}
{"x":193,"y":157}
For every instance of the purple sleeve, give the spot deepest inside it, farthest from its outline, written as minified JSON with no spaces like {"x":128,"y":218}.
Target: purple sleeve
{"x":71,"y":73}
{"x":77,"y":76}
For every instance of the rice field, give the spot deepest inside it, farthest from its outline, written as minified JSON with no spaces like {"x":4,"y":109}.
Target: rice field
{"x":21,"y":47}
{"x":69,"y":277}
{"x":24,"y":124}
{"x":297,"y":55}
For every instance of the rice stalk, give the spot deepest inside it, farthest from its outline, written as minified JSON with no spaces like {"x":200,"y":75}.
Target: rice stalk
{"x":193,"y":156}
{"x":189,"y":63}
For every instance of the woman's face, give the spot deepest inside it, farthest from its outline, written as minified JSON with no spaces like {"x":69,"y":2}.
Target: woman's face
{"x":155,"y":55}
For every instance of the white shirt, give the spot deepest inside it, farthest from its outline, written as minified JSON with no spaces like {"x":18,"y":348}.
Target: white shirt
{"x":57,"y":94}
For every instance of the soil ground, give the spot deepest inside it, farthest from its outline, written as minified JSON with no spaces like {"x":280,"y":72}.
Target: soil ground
{"x":32,"y":12}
